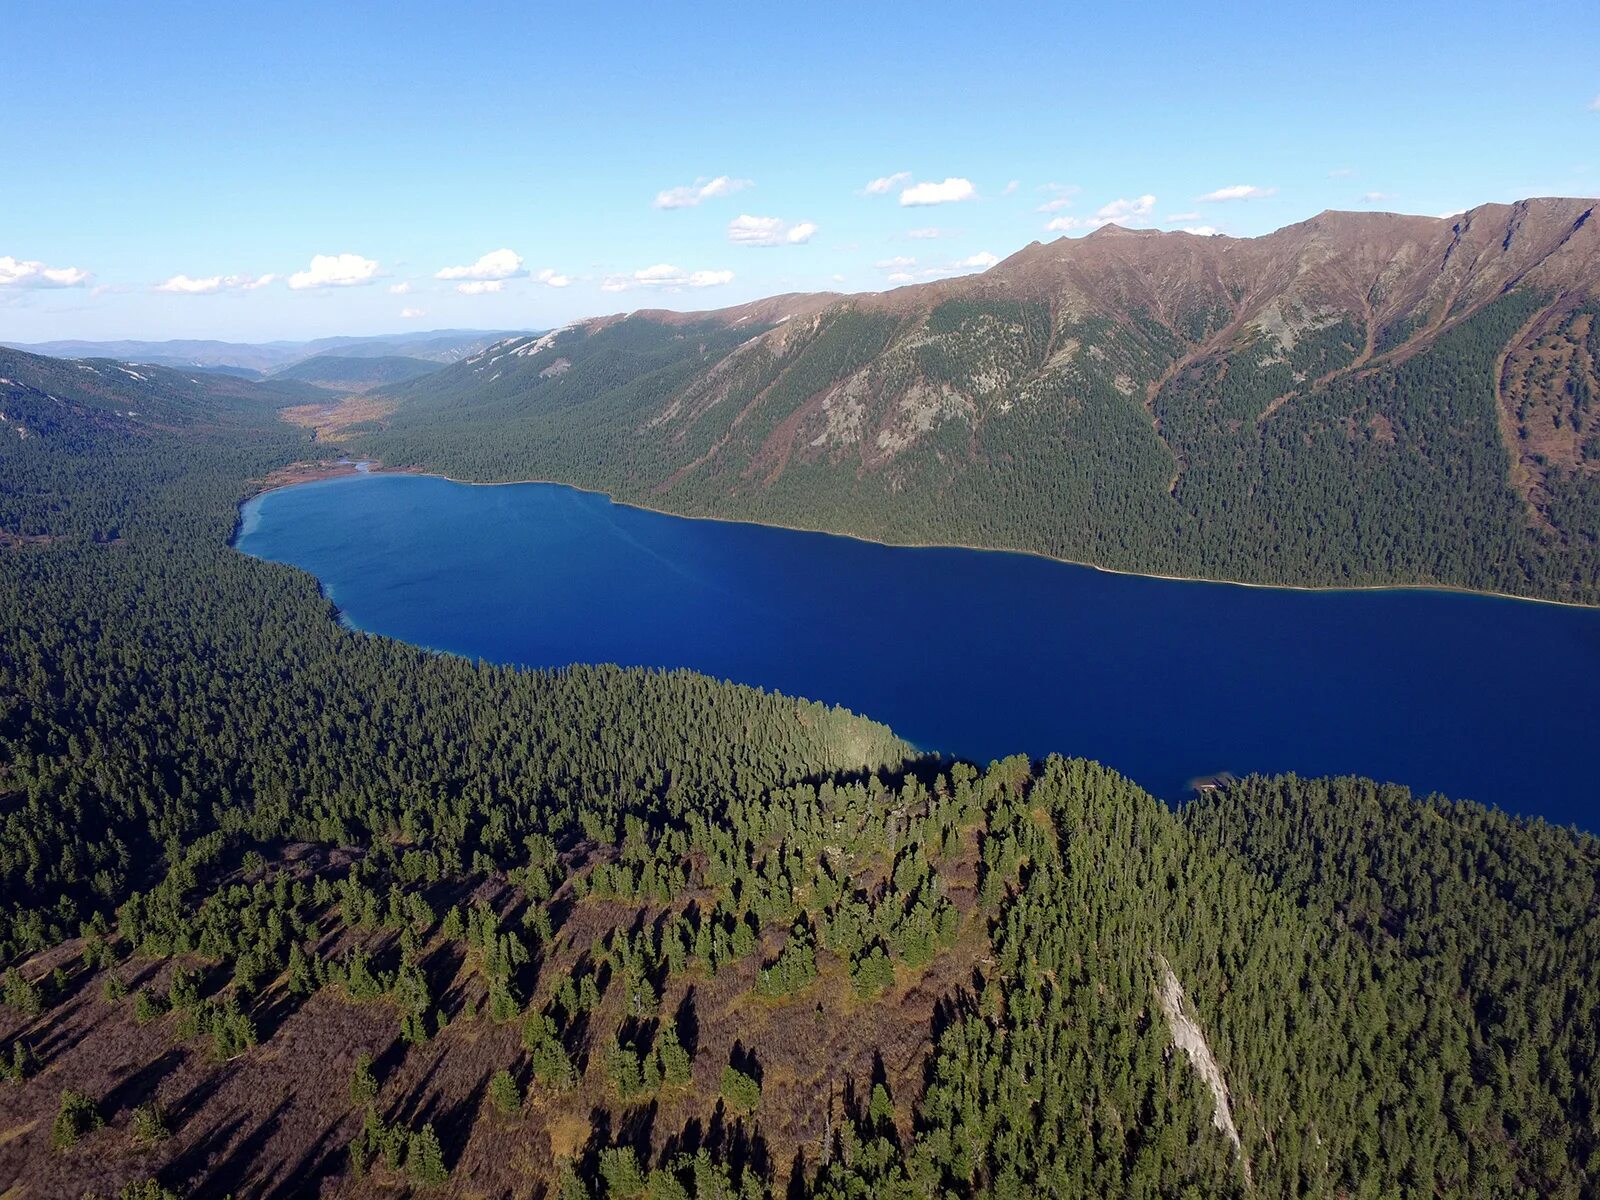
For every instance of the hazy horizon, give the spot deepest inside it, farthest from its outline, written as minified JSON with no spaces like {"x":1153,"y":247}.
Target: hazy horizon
{"x":665,"y":300}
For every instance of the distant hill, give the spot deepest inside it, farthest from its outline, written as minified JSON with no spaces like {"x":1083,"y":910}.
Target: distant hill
{"x":39,"y":393}
{"x":443,"y":345}
{"x":1360,"y":398}
{"x":190,"y":353}
{"x":438,"y":345}
{"x":236,"y":372}
{"x":338,"y":372}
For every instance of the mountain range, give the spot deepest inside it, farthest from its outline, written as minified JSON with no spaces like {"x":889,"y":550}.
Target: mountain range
{"x":266,"y":358}
{"x":1360,"y":398}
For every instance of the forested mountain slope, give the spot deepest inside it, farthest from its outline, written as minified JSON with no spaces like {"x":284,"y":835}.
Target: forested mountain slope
{"x":292,"y":910}
{"x":1359,"y":398}
{"x":340,"y":373}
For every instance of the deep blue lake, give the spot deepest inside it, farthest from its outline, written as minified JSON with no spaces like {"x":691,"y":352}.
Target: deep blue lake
{"x":975,"y":653}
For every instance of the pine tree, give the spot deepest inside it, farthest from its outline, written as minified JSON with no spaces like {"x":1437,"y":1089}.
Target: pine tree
{"x":504,"y":1093}
{"x":363,"y":1083}
{"x":425,"y":1158}
{"x":77,"y":1116}
{"x":676,"y":1067}
{"x":741,"y":1091}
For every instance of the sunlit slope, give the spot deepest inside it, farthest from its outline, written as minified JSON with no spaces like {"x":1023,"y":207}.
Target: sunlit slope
{"x":1360,"y":398}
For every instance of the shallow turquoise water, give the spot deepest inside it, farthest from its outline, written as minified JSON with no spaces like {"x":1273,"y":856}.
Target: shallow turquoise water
{"x":975,"y":653}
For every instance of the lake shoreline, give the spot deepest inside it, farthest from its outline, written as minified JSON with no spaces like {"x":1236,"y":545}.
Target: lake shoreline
{"x":1168,"y":681}
{"x":287,"y":477}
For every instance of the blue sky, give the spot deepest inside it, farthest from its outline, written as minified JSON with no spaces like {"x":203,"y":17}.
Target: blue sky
{"x":293,"y":170}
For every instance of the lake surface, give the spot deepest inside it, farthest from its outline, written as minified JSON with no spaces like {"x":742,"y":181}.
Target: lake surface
{"x":975,"y":653}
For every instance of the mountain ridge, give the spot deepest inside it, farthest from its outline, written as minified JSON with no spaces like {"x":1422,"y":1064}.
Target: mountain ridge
{"x":339,"y":373}
{"x":1461,"y":228}
{"x":439,"y":345}
{"x":1143,"y":400}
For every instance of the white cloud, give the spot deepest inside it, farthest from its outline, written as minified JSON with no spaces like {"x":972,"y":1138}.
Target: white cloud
{"x":183,"y":285}
{"x":1341,"y":173}
{"x":1121,"y":211}
{"x":702,"y":188}
{"x":885,"y":184}
{"x":1060,"y":197}
{"x":481,"y":287}
{"x":665,"y":275}
{"x":552,"y":278}
{"x":1184,"y":216}
{"x":408,"y":314}
{"x":31,"y":274}
{"x":1201,"y":230}
{"x":497,"y":264}
{"x":927,"y":231}
{"x":399,"y":289}
{"x":948,"y":192}
{"x":1238,"y":191}
{"x":1118,"y":209}
{"x":723,"y":186}
{"x":335,"y":270}
{"x":902,"y":268}
{"x":838,"y":278}
{"x":1594,"y":105}
{"x":1011,"y":187}
{"x":1446,"y":216}
{"x":1060,"y":194}
{"x":745,"y":230}
{"x":1376,"y":197}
